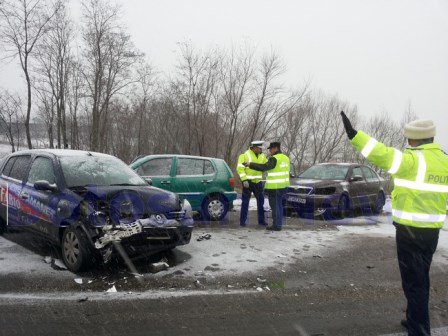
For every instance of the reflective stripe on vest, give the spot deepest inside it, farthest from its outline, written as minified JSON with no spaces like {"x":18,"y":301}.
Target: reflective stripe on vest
{"x":398,"y":156}
{"x":254,"y":177}
{"x":418,"y":217}
{"x":249,"y":159}
{"x":368,"y":148}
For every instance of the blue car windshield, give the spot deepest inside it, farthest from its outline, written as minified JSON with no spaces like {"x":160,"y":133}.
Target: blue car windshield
{"x":325,"y":172}
{"x":84,"y":170}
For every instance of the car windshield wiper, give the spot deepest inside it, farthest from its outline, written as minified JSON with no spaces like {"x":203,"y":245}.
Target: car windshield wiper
{"x":78,"y":187}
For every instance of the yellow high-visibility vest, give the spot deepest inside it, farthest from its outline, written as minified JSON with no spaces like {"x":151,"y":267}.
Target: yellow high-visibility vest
{"x":247,"y":173}
{"x":278,"y":177}
{"x":420,"y":180}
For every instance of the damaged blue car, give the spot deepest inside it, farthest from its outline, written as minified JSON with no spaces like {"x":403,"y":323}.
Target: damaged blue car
{"x":90,"y":204}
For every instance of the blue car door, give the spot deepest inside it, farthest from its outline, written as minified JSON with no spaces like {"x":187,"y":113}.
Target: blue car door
{"x":42,"y":204}
{"x":13,"y":174}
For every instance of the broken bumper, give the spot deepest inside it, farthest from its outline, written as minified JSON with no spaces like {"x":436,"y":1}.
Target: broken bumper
{"x":155,"y":230}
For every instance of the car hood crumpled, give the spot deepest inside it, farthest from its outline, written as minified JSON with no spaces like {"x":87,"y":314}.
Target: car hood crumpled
{"x":133,"y":201}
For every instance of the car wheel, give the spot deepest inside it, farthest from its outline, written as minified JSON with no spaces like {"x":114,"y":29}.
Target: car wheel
{"x":215,"y":207}
{"x":76,"y":252}
{"x":380,"y":201}
{"x":2,"y":227}
{"x":343,"y":205}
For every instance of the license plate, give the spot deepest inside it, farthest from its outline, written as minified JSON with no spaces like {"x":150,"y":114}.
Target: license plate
{"x":296,"y":199}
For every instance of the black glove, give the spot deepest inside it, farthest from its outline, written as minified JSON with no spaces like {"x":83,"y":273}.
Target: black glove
{"x":351,"y":132}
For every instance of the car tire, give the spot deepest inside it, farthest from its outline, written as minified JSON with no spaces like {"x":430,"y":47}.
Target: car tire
{"x":343,"y":207}
{"x":215,"y":207}
{"x":75,"y":250}
{"x":377,"y":208}
{"x":2,"y":227}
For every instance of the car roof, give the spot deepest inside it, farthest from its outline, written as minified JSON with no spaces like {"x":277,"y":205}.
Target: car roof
{"x":339,"y":164}
{"x":184,"y":155}
{"x":59,"y":152}
{"x":143,"y":158}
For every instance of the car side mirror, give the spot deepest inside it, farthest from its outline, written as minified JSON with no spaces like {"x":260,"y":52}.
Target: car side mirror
{"x":148,"y":180}
{"x":356,"y":178}
{"x":45,"y":185}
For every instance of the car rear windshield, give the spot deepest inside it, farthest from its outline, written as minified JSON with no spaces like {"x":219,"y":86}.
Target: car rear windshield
{"x":87,"y":170}
{"x":325,"y":172}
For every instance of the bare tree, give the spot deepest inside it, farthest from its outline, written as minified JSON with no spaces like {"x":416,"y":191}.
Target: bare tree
{"x":46,"y":111}
{"x":11,"y":118}
{"x":236,"y":73}
{"x":23,"y":24}
{"x":196,"y":86}
{"x":109,"y":56}
{"x":145,"y":88}
{"x":75,"y":94}
{"x":54,"y":58}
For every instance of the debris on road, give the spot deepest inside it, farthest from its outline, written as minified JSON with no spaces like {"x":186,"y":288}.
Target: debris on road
{"x":198,"y":284}
{"x":259,"y":289}
{"x":158,"y":267}
{"x":58,"y":265}
{"x":261,"y":280}
{"x":83,"y":299}
{"x":78,"y":281}
{"x":48,"y":259}
{"x":205,"y":236}
{"x":112,"y":290}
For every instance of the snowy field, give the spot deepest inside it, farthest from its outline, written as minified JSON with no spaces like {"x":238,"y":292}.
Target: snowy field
{"x":237,"y":251}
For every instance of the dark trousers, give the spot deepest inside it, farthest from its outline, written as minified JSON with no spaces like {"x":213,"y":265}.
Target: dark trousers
{"x":415,"y":248}
{"x":257,"y":189}
{"x":275,"y":197}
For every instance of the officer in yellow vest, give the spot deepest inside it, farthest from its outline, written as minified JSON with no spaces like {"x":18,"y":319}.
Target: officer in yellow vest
{"x":277,"y":182}
{"x":419,"y":199}
{"x":251,"y":180}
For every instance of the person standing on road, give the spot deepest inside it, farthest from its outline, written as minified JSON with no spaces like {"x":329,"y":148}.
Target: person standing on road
{"x":419,"y":199}
{"x":277,"y":182}
{"x":251,"y":180}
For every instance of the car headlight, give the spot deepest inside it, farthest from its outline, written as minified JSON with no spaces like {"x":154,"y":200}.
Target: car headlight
{"x":186,"y":206}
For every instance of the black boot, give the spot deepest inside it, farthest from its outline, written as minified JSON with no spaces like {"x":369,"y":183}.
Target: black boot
{"x":404,"y":324}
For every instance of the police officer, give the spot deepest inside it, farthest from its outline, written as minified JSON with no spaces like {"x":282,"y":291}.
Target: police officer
{"x":251,"y":180}
{"x":418,"y":208}
{"x":277,"y":182}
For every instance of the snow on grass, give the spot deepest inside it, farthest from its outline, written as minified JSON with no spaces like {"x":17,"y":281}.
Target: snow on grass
{"x":17,"y":259}
{"x":246,"y":250}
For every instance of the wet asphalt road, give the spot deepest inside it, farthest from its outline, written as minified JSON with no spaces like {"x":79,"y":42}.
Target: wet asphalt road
{"x":355,"y":291}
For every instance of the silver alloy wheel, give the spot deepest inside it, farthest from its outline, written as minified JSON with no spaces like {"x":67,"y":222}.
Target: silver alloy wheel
{"x":216,"y":208}
{"x":71,"y":248}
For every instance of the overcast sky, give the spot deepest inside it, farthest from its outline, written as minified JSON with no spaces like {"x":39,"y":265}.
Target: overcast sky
{"x":377,"y":54}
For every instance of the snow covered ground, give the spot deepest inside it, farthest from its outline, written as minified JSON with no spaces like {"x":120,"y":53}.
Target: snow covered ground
{"x":238,"y":251}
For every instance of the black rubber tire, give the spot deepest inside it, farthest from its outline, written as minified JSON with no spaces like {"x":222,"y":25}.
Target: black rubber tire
{"x":2,"y":227}
{"x":76,"y":251}
{"x":379,"y":204}
{"x":214,"y":208}
{"x":343,"y":207}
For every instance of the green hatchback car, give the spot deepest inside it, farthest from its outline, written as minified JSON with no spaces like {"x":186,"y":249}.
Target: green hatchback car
{"x":207,"y":183}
